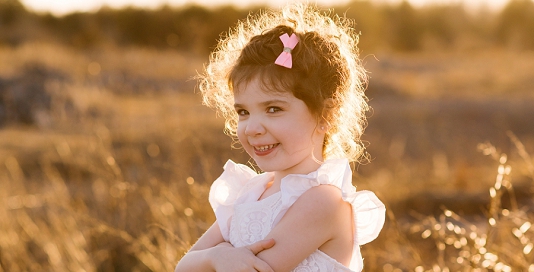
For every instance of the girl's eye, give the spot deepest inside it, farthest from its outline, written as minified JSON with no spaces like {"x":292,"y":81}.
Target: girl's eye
{"x":273,"y":109}
{"x":242,"y":112}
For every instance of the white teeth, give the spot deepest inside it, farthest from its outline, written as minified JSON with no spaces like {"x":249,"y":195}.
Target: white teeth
{"x":265,"y":147}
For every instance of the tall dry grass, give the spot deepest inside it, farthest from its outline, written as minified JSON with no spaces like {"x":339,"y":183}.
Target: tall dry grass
{"x":113,"y":175}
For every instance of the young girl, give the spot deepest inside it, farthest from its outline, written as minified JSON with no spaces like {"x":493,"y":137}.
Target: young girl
{"x":291,"y":88}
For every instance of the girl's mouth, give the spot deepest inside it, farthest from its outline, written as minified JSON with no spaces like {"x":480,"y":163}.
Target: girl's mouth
{"x":264,"y":149}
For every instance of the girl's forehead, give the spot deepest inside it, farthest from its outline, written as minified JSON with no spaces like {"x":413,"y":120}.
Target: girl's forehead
{"x":256,"y":90}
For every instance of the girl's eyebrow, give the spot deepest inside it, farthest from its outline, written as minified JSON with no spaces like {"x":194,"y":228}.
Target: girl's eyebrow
{"x":273,"y":101}
{"x":264,"y":103}
{"x":238,"y":106}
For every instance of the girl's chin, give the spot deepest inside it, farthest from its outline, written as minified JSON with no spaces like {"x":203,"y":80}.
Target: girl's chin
{"x":266,"y":168}
{"x":265,"y":165}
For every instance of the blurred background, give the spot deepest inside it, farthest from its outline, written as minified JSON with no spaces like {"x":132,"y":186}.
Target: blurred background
{"x":107,"y":155}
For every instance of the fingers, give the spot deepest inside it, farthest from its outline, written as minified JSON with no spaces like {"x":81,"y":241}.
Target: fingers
{"x":225,"y":244}
{"x":261,"y":246}
{"x":262,"y":266}
{"x":268,"y":243}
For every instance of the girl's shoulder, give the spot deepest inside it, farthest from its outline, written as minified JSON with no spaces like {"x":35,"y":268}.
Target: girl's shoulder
{"x":326,"y":189}
{"x":325,"y":201}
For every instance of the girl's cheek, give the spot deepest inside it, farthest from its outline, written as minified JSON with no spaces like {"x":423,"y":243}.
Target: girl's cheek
{"x":241,"y":135}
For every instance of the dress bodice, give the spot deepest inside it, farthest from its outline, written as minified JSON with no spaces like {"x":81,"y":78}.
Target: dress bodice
{"x":244,"y":220}
{"x":253,"y":221}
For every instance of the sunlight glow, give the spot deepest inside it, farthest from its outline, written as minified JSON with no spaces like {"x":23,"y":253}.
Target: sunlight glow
{"x":61,"y":7}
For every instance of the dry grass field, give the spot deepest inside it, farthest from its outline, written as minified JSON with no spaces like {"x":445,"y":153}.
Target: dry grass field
{"x":106,"y":157}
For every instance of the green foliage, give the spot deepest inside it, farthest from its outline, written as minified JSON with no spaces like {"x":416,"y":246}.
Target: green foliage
{"x":369,"y":22}
{"x":10,"y":11}
{"x":192,"y":28}
{"x":443,"y":23}
{"x":405,"y":27}
{"x":12,"y":14}
{"x":516,"y":25}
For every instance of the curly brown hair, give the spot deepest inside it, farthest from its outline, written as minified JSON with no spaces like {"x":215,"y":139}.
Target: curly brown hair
{"x":327,"y":73}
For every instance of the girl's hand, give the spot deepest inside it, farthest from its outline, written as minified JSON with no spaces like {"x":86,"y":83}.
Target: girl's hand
{"x":226,"y":258}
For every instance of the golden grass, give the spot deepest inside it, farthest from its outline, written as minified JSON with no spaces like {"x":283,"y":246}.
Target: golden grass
{"x":122,"y":184}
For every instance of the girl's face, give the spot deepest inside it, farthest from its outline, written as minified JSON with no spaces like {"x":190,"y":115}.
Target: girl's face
{"x":277,"y":130}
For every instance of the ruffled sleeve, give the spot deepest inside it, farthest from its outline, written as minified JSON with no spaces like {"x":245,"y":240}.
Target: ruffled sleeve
{"x":237,"y":184}
{"x":368,"y":210}
{"x":369,"y":214}
{"x":293,"y":186}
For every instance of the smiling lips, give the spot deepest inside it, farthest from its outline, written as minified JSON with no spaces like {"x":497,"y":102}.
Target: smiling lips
{"x":264,"y":149}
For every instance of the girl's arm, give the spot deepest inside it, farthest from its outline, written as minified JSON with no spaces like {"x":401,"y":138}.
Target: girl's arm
{"x":212,"y":253}
{"x":318,"y":217}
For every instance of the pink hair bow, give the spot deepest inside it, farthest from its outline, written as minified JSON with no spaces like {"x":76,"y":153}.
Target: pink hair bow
{"x":289,"y":44}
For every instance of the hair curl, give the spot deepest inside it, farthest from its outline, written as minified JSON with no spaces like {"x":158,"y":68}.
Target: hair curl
{"x":327,"y":73}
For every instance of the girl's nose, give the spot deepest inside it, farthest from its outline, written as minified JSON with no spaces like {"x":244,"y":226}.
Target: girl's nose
{"x":254,"y":127}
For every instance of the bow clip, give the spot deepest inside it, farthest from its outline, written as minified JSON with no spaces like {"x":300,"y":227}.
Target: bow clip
{"x":289,"y":44}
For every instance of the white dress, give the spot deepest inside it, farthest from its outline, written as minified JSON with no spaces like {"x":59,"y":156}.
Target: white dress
{"x":244,"y":220}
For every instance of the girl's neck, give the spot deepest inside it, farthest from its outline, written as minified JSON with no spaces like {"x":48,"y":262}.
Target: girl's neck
{"x":274,"y":185}
{"x":303,"y":168}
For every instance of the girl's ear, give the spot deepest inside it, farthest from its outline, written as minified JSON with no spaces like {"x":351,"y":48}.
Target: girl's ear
{"x":324,"y":124}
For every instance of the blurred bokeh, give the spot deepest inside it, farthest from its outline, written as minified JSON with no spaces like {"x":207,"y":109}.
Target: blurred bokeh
{"x":106,"y":153}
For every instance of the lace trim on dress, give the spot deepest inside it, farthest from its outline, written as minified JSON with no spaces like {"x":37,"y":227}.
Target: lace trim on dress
{"x":253,"y":221}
